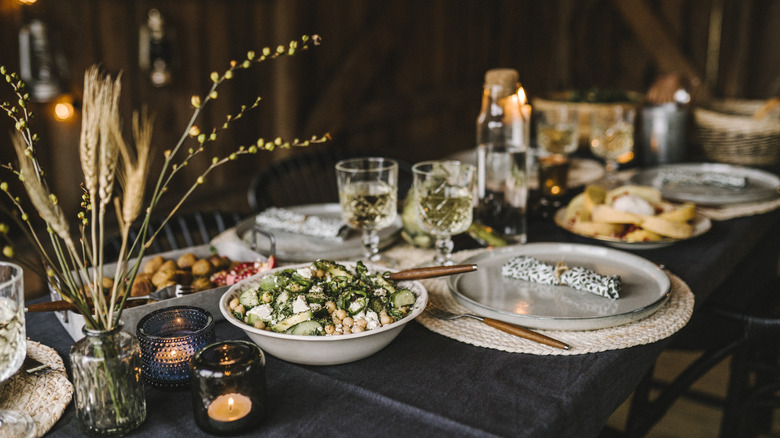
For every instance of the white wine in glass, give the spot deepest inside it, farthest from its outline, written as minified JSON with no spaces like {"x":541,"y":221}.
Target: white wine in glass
{"x":13,"y":346}
{"x":612,"y":138}
{"x":368,"y":194}
{"x":444,"y":192}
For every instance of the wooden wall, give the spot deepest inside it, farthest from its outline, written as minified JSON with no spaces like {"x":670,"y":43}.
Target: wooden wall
{"x":400,"y":78}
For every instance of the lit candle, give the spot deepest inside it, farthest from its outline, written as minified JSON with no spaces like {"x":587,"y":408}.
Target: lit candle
{"x":230,"y":407}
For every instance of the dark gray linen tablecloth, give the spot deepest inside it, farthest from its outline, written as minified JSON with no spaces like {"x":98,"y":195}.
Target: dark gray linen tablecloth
{"x":425,"y":384}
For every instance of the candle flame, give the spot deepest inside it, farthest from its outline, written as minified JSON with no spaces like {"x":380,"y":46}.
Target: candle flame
{"x":230,"y":404}
{"x":521,"y":96}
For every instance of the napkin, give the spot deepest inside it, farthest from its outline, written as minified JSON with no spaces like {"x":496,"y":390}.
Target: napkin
{"x":531,"y":269}
{"x":717,"y":179}
{"x":297,"y":223}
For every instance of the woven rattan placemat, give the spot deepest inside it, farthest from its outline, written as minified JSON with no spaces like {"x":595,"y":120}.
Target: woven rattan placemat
{"x":43,"y":397}
{"x":670,"y":317}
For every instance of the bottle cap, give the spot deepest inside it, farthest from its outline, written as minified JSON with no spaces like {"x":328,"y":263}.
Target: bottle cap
{"x":505,"y":77}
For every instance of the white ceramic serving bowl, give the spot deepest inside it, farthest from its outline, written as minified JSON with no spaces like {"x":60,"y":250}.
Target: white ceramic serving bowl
{"x":322,"y":350}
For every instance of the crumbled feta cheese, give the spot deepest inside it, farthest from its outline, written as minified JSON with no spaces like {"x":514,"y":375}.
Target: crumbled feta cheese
{"x":373,"y":320}
{"x":315,"y":307}
{"x":262,"y":311}
{"x":355,"y":306}
{"x":304,"y":272}
{"x":300,"y":305}
{"x":380,"y":292}
{"x":316,"y":288}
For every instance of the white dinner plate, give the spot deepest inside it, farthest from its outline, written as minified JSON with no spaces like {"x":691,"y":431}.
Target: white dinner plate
{"x":701,"y":224}
{"x":292,"y":247}
{"x":760,"y":185}
{"x":645,"y":288}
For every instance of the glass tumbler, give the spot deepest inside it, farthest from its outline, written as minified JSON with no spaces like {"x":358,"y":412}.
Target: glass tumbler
{"x":228,"y":387}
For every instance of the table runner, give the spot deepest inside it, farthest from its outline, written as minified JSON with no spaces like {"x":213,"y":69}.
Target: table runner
{"x":43,"y":397}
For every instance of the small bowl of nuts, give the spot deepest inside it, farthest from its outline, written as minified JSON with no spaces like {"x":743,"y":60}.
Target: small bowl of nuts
{"x":324,"y":312}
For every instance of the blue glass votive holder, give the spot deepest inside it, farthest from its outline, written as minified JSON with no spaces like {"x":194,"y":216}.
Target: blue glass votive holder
{"x":169,"y":338}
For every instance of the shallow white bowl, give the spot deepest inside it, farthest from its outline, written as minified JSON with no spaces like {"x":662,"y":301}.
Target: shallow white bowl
{"x":322,"y":350}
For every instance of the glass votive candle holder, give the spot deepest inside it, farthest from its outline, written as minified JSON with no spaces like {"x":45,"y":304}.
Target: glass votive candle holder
{"x":169,"y":337}
{"x":228,"y":387}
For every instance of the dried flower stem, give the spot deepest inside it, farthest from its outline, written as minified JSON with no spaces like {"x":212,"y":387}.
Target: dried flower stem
{"x":76,"y":271}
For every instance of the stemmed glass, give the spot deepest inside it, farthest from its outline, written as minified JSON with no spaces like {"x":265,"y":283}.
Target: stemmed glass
{"x":444,"y":191}
{"x":13,"y":347}
{"x":557,"y":133}
{"x":612,"y":138}
{"x":368,"y":193}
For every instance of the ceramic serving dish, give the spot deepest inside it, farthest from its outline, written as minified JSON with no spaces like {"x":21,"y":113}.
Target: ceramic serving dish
{"x":322,"y":350}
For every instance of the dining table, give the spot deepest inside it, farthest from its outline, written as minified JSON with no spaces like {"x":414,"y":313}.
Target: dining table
{"x":427,"y":384}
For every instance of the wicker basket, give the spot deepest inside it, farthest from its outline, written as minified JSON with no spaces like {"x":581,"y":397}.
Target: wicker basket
{"x":727,"y":132}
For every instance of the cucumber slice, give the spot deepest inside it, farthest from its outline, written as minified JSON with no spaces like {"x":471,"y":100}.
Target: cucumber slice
{"x":403,"y":297}
{"x":291,"y":321}
{"x":305,"y":328}
{"x":271,"y":282}
{"x":249,"y":298}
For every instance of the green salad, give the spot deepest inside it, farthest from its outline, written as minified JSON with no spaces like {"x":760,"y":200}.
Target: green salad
{"x":322,"y":299}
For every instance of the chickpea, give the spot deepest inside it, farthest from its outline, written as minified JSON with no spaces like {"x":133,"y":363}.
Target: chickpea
{"x":362,"y":323}
{"x":348,"y":321}
{"x":266,"y":297}
{"x":331,"y":306}
{"x":240,"y":309}
{"x":259,"y":325}
{"x":357,"y":329}
{"x":341,"y":313}
{"x":233,"y":303}
{"x":385,"y":319}
{"x":336,"y":319}
{"x":346,"y":330}
{"x":330,"y":329}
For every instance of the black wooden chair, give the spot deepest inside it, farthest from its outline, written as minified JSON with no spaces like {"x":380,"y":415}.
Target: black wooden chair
{"x":741,"y":321}
{"x":182,"y":231}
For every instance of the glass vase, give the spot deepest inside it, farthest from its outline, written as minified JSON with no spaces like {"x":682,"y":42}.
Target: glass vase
{"x":109,"y":391}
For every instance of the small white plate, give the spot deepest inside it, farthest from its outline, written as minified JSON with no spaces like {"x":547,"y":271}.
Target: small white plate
{"x":701,"y":225}
{"x":292,"y":247}
{"x":760,"y":185}
{"x":645,"y":288}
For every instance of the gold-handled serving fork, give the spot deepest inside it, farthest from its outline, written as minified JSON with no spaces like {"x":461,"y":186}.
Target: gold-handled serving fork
{"x":173,"y":291}
{"x":512,"y":329}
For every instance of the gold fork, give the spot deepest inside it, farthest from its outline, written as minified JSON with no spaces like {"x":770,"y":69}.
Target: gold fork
{"x":512,"y":329}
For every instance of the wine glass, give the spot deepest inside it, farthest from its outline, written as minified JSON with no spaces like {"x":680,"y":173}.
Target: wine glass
{"x":557,"y":133}
{"x":368,"y":193}
{"x":444,"y":191}
{"x":13,"y":346}
{"x":612,"y":138}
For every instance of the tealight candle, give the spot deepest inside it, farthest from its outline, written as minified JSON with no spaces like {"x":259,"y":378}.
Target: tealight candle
{"x":228,"y":387}
{"x":230,"y":407}
{"x":169,"y":337}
